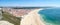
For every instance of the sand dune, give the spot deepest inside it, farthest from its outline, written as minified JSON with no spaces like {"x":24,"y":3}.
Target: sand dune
{"x":33,"y":18}
{"x":5,"y":23}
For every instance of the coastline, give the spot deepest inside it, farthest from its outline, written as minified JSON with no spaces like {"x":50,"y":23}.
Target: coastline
{"x":33,"y":18}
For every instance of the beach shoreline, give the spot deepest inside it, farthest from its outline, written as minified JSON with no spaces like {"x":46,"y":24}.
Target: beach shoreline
{"x":33,"y":18}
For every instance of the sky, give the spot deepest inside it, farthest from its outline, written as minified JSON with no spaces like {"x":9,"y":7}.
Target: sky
{"x":30,"y":3}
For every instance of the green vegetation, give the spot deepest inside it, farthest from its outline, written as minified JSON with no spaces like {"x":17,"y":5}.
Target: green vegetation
{"x":11,"y":18}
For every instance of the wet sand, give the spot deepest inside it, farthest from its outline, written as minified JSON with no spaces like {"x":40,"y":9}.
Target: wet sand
{"x":33,"y":18}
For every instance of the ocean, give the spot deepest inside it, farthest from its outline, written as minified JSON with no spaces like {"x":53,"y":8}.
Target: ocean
{"x":51,"y":16}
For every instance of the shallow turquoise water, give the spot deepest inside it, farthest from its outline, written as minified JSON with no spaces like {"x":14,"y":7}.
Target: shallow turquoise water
{"x":51,"y":16}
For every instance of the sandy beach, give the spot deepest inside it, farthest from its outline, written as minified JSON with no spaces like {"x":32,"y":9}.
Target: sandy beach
{"x":33,"y":18}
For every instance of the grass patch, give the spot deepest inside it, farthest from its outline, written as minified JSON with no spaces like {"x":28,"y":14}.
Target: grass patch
{"x":11,"y":18}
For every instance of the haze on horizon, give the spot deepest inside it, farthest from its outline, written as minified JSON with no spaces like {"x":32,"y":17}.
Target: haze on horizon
{"x":30,"y":3}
